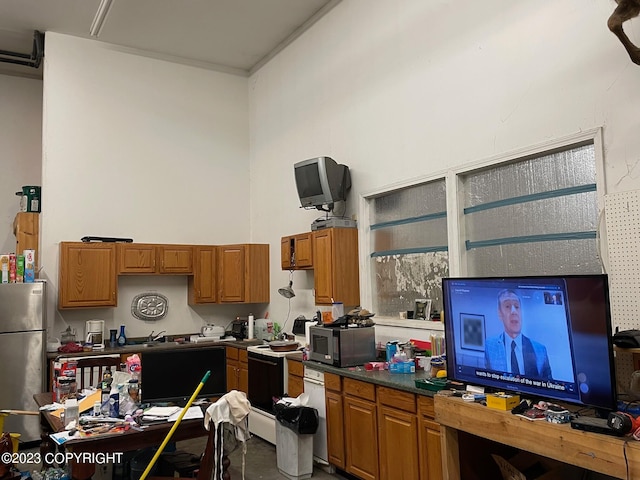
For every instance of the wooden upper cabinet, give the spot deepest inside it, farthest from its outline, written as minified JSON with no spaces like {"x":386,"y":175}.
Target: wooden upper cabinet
{"x":175,"y":259}
{"x":203,"y":284}
{"x":148,"y":258}
{"x":336,"y":266}
{"x":136,"y":258}
{"x":88,"y":275}
{"x":243,"y":273}
{"x":296,"y":252}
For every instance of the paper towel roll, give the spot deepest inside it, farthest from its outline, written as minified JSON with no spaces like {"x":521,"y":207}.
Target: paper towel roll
{"x":250,"y":327}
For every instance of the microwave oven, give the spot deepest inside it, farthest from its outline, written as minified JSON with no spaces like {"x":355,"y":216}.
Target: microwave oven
{"x":342,"y":347}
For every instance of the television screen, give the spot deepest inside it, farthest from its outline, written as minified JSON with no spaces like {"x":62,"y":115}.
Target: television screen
{"x":540,"y":336}
{"x":321,"y":181}
{"x":173,"y":375}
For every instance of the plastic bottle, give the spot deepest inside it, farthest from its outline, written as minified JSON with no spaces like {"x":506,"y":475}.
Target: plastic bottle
{"x":250,"y":325}
{"x":122,"y":339}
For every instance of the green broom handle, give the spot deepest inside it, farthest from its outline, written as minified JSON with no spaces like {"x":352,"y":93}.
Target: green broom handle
{"x":175,"y":425}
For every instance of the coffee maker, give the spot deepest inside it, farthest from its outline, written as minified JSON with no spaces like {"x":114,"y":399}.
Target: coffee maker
{"x":95,"y":333}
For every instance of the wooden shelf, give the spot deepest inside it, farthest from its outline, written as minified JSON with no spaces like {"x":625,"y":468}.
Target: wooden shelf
{"x":596,"y":452}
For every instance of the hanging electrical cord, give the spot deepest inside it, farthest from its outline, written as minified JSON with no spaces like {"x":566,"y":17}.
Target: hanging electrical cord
{"x":288,"y":293}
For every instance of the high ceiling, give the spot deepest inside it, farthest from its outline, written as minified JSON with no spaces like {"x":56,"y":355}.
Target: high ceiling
{"x":237,"y":36}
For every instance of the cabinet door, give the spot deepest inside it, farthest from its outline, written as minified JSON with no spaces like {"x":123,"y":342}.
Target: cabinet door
{"x":202,"y":285}
{"x":296,"y":386}
{"x":323,"y":253}
{"x":87,"y":275}
{"x":175,"y":259}
{"x":361,"y":434}
{"x":335,"y":428}
{"x":232,"y":375}
{"x":136,"y":258}
{"x":430,"y":450}
{"x":303,"y":253}
{"x":286,"y":248}
{"x":336,"y":266}
{"x":243,"y":371}
{"x":398,"y":444}
{"x":231,"y":273}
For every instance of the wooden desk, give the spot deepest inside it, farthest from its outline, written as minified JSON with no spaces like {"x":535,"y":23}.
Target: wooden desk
{"x":151,"y":436}
{"x":596,"y":452}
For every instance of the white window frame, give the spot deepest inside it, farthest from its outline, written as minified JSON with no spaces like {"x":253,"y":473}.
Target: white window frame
{"x":455,"y":221}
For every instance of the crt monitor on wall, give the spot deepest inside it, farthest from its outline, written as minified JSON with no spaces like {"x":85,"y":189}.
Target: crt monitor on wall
{"x":173,"y":375}
{"x":565,"y":345}
{"x":321,"y":181}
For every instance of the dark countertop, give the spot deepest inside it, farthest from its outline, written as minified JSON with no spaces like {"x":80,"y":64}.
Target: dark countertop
{"x":399,"y":381}
{"x":141,"y":348}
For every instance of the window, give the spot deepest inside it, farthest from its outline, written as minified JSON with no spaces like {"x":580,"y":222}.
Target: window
{"x":408,"y":247}
{"x":533,"y":212}
{"x":533,"y":216}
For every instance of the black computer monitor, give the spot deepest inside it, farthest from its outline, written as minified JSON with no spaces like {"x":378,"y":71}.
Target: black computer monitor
{"x":173,"y":375}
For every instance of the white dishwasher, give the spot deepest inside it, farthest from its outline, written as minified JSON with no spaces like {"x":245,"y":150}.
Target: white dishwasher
{"x":314,"y":387}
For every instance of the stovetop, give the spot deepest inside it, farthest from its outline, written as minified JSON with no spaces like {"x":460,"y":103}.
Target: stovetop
{"x":266,"y":350}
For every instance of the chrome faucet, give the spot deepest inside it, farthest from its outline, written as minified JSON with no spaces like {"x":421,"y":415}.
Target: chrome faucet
{"x":157,"y":337}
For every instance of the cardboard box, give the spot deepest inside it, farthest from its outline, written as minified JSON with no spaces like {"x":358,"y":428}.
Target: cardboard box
{"x":29,"y":266}
{"x":502,"y":401}
{"x":528,"y":466}
{"x":4,"y":268}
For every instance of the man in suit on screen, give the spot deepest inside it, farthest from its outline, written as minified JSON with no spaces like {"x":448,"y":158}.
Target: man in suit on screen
{"x":512,"y":352}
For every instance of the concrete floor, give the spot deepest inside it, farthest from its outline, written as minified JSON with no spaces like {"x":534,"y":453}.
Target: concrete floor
{"x":260,"y":462}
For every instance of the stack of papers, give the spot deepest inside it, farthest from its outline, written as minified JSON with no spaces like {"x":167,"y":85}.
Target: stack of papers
{"x":170,"y":414}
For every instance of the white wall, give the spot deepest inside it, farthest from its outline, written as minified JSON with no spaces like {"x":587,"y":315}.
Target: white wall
{"x":141,"y":148}
{"x":398,"y":90}
{"x":20,"y":151}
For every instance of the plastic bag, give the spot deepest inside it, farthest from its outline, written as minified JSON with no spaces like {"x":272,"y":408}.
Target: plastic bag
{"x":302,"y":420}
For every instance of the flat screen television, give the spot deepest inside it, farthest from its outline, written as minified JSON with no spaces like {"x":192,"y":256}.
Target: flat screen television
{"x":321,"y":181}
{"x":173,"y":375}
{"x":563,"y":324}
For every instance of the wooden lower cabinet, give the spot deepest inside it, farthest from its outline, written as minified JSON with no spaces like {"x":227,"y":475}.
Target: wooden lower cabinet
{"x":361,"y":443}
{"x":295,"y":378}
{"x":360,"y":429}
{"x":237,"y":369}
{"x":335,"y":419}
{"x":380,"y":432}
{"x":398,"y":434}
{"x":429,"y":440}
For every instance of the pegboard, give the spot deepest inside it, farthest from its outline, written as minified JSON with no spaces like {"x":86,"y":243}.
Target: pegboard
{"x":622,"y":216}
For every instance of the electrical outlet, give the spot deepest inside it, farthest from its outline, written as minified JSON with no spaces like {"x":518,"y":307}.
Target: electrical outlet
{"x":354,"y":217}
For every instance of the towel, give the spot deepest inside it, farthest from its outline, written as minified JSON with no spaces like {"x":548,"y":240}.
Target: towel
{"x":232,"y":408}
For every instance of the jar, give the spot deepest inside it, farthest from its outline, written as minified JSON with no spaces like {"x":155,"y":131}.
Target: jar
{"x":68,"y":336}
{"x":437,"y":364}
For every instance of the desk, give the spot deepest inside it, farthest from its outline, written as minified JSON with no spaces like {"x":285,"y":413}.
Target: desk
{"x":151,"y":436}
{"x":596,"y":452}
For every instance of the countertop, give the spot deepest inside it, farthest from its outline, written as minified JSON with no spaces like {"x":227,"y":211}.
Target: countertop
{"x":399,"y":381}
{"x":141,"y":348}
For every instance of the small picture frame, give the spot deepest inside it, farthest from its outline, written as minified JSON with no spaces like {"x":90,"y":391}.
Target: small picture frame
{"x":422,"y":309}
{"x":472,"y":328}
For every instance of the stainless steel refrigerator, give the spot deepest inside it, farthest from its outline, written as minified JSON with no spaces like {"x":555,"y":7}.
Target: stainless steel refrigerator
{"x":23,"y":340}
